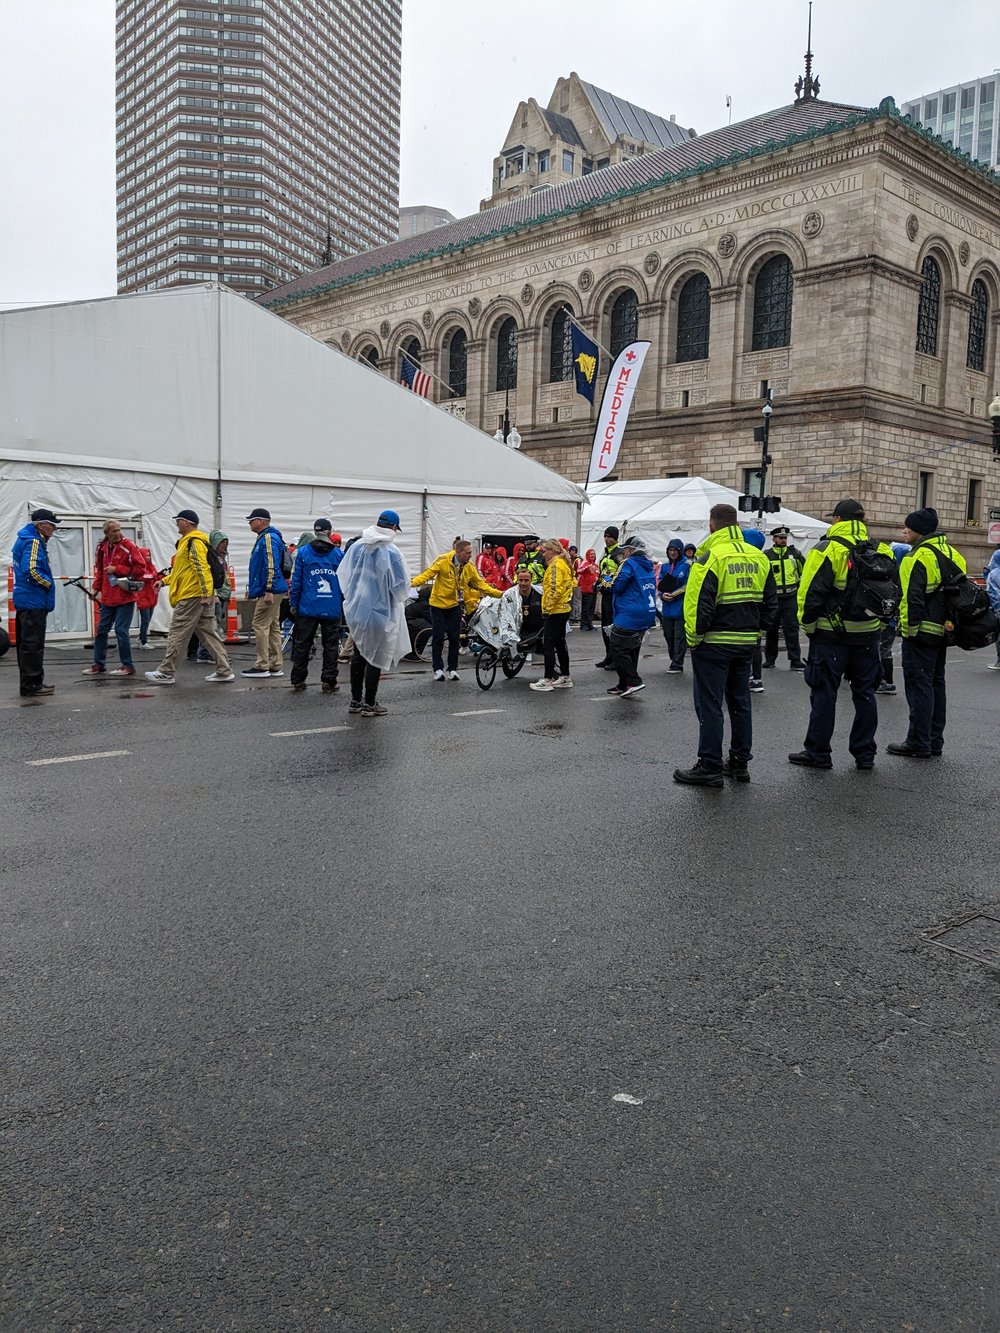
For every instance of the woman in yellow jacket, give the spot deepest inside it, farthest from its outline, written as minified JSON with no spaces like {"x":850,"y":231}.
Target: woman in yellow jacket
{"x":558,"y":583}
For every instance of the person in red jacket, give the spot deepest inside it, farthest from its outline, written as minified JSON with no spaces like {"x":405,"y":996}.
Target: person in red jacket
{"x":147,"y":597}
{"x":486,"y":563}
{"x":502,"y":581}
{"x":587,"y":574}
{"x":118,"y":571}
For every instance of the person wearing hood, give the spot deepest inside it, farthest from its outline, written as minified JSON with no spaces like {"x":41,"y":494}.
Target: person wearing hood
{"x":670,"y":587}
{"x":634,"y":597}
{"x":839,"y":645}
{"x":316,"y":604}
{"x":514,"y":562}
{"x":266,"y":585}
{"x":500,"y":559}
{"x":375,"y":584}
{"x":147,"y":597}
{"x":34,"y":598}
{"x":587,"y":574}
{"x":993,"y":590}
{"x":219,"y":542}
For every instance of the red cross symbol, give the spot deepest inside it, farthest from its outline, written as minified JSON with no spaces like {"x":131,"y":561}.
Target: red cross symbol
{"x":630,"y":356}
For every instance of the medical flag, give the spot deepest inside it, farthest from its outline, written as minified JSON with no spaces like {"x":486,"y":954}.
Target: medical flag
{"x":586,"y":360}
{"x":415,"y":379}
{"x":618,"y":394}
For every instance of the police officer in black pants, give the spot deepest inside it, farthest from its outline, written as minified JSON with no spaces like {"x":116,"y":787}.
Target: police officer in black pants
{"x":609,"y":564}
{"x":786,"y":566}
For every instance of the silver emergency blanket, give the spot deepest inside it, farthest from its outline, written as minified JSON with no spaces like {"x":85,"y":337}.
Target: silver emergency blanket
{"x":497,"y":620}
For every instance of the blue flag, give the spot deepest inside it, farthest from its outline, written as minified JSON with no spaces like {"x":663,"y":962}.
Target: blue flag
{"x":586,"y":359}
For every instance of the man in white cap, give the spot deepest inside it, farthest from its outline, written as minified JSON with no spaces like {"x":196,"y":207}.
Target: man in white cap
{"x":34,"y":598}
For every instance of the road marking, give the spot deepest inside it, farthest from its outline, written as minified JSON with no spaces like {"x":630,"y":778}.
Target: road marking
{"x":76,"y":758}
{"x":312,"y":731}
{"x":479,"y":712}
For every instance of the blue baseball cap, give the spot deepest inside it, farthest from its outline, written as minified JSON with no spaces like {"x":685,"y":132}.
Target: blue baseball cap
{"x":388,"y":519}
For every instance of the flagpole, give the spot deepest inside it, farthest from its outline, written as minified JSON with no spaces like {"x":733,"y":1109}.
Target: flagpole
{"x":418,"y":366}
{"x":569,"y":315}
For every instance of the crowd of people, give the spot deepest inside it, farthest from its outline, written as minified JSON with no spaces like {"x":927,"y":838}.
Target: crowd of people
{"x":722,"y":607}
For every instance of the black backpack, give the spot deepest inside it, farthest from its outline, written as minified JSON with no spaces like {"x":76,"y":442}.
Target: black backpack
{"x":872,"y":590}
{"x":217,"y":566}
{"x":974,"y":623}
{"x":286,"y":561}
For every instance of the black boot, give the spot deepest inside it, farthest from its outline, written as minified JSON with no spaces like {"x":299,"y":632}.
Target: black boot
{"x":699,"y":776}
{"x":737,"y":769}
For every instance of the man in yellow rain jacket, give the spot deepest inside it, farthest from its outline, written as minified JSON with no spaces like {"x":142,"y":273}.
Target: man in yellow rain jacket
{"x":192,"y":595}
{"x":454,"y":575}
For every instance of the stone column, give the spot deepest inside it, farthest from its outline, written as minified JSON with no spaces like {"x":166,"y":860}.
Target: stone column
{"x":953,"y":346}
{"x":725,"y":345}
{"x":647,"y":397}
{"x":524,"y":398}
{"x":475,"y":381}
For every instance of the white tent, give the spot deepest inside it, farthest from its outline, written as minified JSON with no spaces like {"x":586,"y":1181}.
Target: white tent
{"x":134,"y":407}
{"x":659,"y":508}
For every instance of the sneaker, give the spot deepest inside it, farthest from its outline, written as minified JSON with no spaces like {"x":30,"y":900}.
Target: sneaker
{"x":453,"y":675}
{"x":994,"y":666}
{"x":633,"y":689}
{"x":768,"y":666}
{"x":806,"y":760}
{"x":158,"y":678}
{"x":886,"y":688}
{"x":756,"y":685}
{"x":675,"y":670}
{"x":373,"y":710}
{"x":615,"y":689}
{"x":203,"y":656}
{"x":220,"y":678}
{"x":355,"y":706}
{"x":298,"y":686}
{"x":544,"y":686}
{"x":329,"y":687}
{"x":563,"y":683}
{"x":41,"y":691}
{"x":146,"y":647}
{"x":736,"y":769}
{"x":796,"y":666}
{"x":699,"y":776}
{"x":257,"y":673}
{"x":123,"y":671}
{"x":603,"y":665}
{"x":439,"y":675}
{"x":279,"y":672}
{"x":94,"y":670}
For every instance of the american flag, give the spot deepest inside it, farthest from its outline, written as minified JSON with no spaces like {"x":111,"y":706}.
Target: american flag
{"x":415,"y":379}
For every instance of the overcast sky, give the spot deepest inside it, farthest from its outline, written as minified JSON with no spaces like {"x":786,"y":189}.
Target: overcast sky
{"x":466,"y":65}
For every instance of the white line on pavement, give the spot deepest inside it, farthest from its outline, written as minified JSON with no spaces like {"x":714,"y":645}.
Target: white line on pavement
{"x":311,"y":731}
{"x":479,"y":712}
{"x":75,"y":758}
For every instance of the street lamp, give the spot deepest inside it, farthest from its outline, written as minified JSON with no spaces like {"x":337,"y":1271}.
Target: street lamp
{"x":994,"y":412}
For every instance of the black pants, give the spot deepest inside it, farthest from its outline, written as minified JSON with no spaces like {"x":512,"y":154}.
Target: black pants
{"x":885,"y":642}
{"x":607,"y":620}
{"x":721,"y":678}
{"x":923,"y":680}
{"x":673,"y":632}
{"x":787,"y":620}
{"x":30,"y":629}
{"x":828,"y":665}
{"x":588,"y":604}
{"x":625,"y":645}
{"x":303,"y":634}
{"x":554,"y":645}
{"x":445,"y":622}
{"x":364,"y":676}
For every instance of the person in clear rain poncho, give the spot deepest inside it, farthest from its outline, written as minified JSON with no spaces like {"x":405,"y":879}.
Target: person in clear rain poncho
{"x":376,"y":586}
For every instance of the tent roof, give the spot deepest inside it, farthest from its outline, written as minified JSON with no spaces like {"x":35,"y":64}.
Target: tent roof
{"x":199,"y":378}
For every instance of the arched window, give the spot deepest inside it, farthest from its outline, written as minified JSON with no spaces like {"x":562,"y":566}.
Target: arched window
{"x":561,"y":353}
{"x":929,"y":307}
{"x":370,"y":357}
{"x":772,"y":305}
{"x":979,"y":322}
{"x":693,"y":317}
{"x":507,"y":355}
{"x":458,"y":361}
{"x":624,"y":321}
{"x":410,"y":352}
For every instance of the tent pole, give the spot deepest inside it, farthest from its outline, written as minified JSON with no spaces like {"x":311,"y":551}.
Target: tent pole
{"x":423,"y":531}
{"x":218,"y":407}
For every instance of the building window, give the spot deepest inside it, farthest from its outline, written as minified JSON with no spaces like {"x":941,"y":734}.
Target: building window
{"x":693,"y":315}
{"x":751,"y":481}
{"x":974,"y":502}
{"x":543,"y":161}
{"x":458,"y":362}
{"x":925,"y":490}
{"x":987,"y":95}
{"x":948,"y":118}
{"x":588,"y":165}
{"x":930,"y":110}
{"x":966,"y":119}
{"x":370,"y":357}
{"x":624,"y":320}
{"x":772,"y":305}
{"x":929,"y":308}
{"x":410,"y":352}
{"x":507,"y":355}
{"x":561,"y":351}
{"x":567,"y":162}
{"x":979,"y":320}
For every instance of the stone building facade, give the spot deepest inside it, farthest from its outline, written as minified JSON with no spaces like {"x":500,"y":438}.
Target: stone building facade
{"x":842,"y":258}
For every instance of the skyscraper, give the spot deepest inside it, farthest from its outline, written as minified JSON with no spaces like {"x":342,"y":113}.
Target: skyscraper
{"x":964,"y":115}
{"x":257,"y":139}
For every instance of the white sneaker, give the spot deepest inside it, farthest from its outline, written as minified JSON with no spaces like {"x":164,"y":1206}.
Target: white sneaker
{"x":158,"y":678}
{"x":145,"y":647}
{"x":994,"y":666}
{"x":453,"y":675}
{"x":632,"y":689}
{"x":562,"y":683}
{"x":528,"y":660}
{"x":439,"y":675}
{"x":276,"y":673}
{"x":218,"y":679}
{"x":756,"y":685}
{"x":544,"y":685}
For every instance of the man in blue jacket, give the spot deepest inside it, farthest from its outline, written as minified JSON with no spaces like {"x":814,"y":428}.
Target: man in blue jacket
{"x":34,"y":598}
{"x":267,"y":585}
{"x":316,"y":602}
{"x":634,"y":608}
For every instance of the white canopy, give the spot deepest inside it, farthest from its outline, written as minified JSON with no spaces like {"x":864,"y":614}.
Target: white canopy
{"x":659,"y":508}
{"x":195,"y":397}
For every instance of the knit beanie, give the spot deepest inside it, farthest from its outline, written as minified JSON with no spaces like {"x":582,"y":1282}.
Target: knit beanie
{"x":924,"y":521}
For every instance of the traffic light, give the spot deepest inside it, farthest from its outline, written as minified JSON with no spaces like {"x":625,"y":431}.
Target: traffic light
{"x":747,"y":504}
{"x":772,"y":503}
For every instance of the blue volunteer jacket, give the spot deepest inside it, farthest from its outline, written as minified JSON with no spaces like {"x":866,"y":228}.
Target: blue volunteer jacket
{"x":34,"y":586}
{"x":634,"y":593}
{"x":679,"y":570}
{"x":265,"y":564}
{"x":315,"y":590}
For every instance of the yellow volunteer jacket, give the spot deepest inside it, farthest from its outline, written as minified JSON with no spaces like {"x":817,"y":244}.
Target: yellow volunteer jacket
{"x":729,"y":594}
{"x":825,"y":578}
{"x":557,"y":588}
{"x":921,"y":608}
{"x":189,"y":574}
{"x":452,"y":580}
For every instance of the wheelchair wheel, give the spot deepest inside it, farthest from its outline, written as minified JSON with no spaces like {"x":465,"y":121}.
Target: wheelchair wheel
{"x":486,"y":668}
{"x":422,"y":643}
{"x":511,"y":666}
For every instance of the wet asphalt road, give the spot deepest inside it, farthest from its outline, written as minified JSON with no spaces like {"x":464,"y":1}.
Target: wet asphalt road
{"x":326,"y":1031}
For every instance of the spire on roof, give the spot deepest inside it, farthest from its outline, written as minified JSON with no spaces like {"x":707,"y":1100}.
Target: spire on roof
{"x":807,"y":89}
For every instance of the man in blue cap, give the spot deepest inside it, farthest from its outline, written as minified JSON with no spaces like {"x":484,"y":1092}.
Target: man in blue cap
{"x":375,"y":584}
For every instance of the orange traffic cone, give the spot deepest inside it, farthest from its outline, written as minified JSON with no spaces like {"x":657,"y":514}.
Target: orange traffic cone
{"x":11,"y":613}
{"x":233,"y":634}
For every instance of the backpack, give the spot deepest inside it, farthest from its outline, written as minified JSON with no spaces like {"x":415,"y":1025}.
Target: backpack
{"x":217,"y":566}
{"x":286,"y":561}
{"x":974,"y":623}
{"x":872,"y":590}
